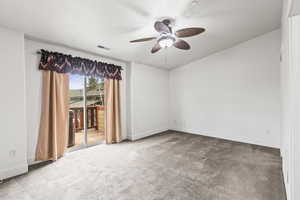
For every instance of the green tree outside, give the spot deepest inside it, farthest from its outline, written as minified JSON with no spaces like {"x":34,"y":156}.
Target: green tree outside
{"x":92,"y":83}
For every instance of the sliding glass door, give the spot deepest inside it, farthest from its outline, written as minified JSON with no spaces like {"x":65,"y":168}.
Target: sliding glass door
{"x":76,"y":136}
{"x":86,"y":113}
{"x":95,"y":110}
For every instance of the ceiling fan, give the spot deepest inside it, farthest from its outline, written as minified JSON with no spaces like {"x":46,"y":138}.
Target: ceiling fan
{"x":167,"y":38}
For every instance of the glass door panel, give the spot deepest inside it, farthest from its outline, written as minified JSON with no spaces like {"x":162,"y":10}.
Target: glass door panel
{"x":76,"y":136}
{"x":95,"y":110}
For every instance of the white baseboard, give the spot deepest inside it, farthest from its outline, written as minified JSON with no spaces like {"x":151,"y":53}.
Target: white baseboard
{"x":31,"y":161}
{"x":213,"y":134}
{"x":16,"y":170}
{"x":138,"y":136}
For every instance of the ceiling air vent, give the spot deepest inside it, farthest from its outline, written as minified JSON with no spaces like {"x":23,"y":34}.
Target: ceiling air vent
{"x":103,"y":47}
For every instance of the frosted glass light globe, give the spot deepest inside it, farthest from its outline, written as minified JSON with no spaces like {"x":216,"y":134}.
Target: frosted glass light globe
{"x":166,"y":42}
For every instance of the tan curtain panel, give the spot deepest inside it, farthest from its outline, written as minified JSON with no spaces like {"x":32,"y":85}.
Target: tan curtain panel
{"x":112,"y":111}
{"x":53,"y":127}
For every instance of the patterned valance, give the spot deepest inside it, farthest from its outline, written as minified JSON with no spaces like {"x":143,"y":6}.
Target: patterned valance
{"x":61,"y":63}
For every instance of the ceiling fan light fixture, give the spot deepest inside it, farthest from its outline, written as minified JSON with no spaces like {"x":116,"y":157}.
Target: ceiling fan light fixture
{"x":168,"y":38}
{"x":166,"y":41}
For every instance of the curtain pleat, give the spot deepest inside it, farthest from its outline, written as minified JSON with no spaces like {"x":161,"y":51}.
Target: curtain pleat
{"x":53,"y":126}
{"x":112,"y":111}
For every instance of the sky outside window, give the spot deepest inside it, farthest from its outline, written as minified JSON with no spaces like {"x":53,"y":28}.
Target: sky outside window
{"x":76,"y":82}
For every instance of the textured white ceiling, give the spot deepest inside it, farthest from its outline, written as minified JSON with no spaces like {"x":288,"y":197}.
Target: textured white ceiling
{"x":113,"y":23}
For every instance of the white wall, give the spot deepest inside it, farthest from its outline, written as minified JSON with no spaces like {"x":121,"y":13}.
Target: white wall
{"x":233,"y":94}
{"x":290,"y":79}
{"x":12,"y":104}
{"x":34,"y":85}
{"x":149,"y":99}
{"x":296,"y":108}
{"x":286,"y":128}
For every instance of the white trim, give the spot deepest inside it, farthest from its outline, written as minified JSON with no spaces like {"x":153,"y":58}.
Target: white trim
{"x":294,"y":28}
{"x":123,"y":100}
{"x":18,"y":169}
{"x":138,"y":136}
{"x":215,"y":135}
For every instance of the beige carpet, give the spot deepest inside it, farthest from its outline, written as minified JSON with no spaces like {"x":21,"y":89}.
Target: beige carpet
{"x":170,"y":166}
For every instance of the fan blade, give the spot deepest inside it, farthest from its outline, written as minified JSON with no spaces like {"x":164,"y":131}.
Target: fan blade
{"x":181,"y":44}
{"x":161,"y":27}
{"x":143,"y":39}
{"x":156,"y":48}
{"x":188,"y":32}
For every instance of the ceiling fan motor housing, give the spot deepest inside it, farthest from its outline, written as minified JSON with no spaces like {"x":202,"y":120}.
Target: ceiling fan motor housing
{"x":168,"y":23}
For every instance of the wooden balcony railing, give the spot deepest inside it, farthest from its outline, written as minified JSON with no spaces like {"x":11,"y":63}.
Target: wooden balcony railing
{"x":95,"y":119}
{"x":92,"y":117}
